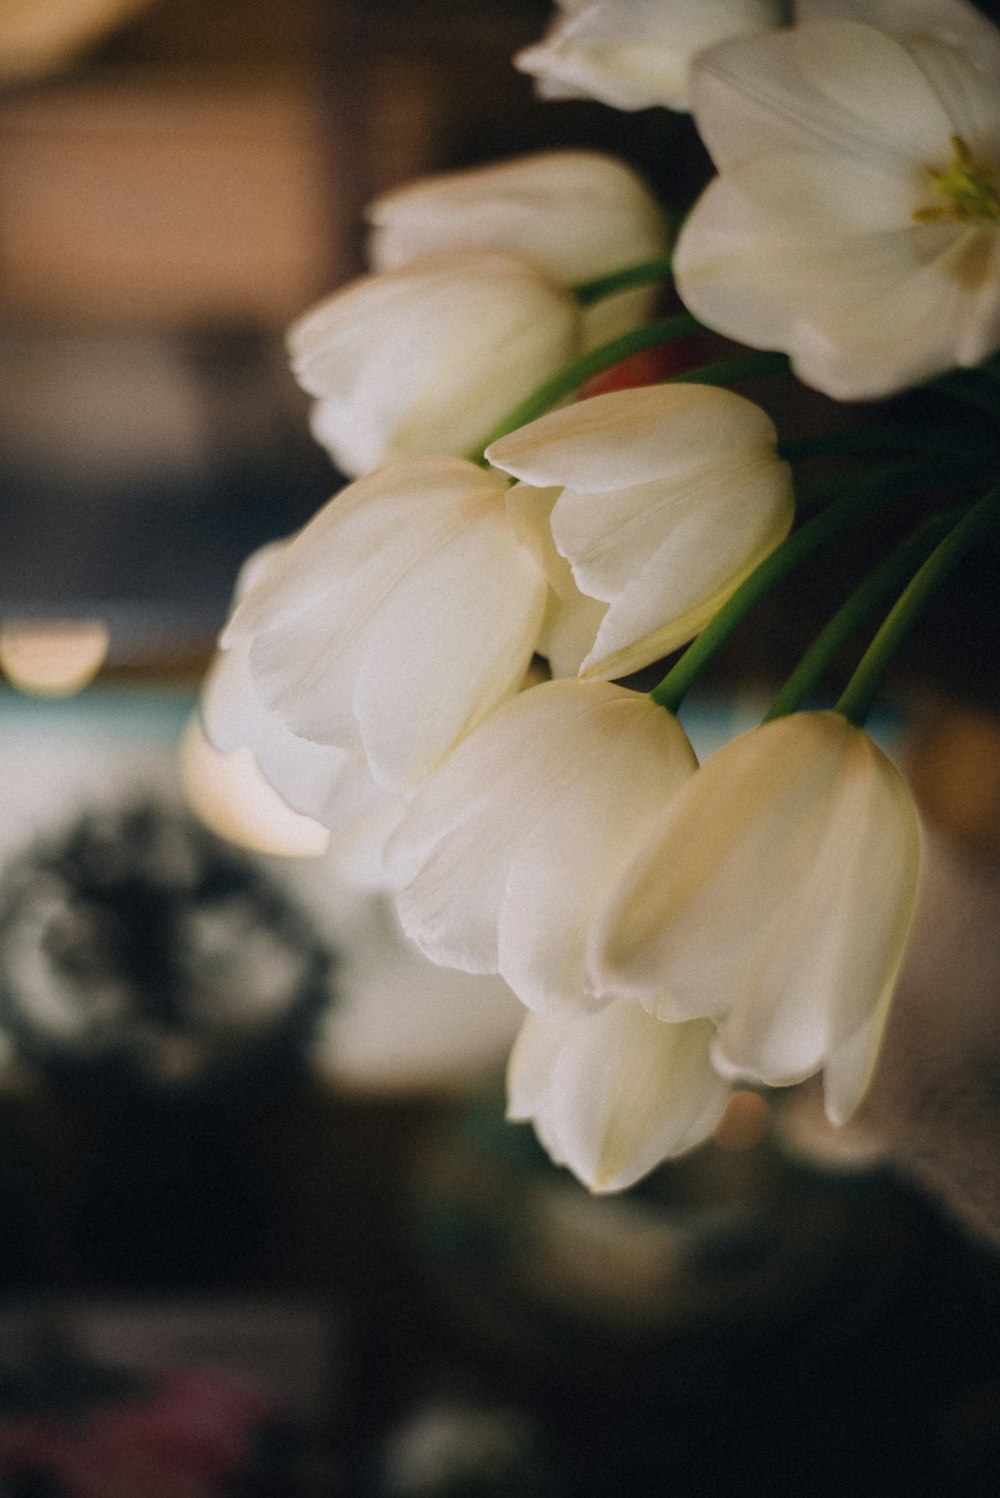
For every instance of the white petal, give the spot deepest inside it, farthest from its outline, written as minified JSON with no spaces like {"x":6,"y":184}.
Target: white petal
{"x":850,"y":1066}
{"x":611,"y":539}
{"x":674,"y":494}
{"x":506,"y":850}
{"x":614,"y":1093}
{"x":775,"y":896}
{"x":945,"y":313}
{"x":568,"y":631}
{"x":838,"y":90}
{"x":807,"y":242}
{"x":574,"y":214}
{"x":696,"y":569}
{"x":954,"y":22}
{"x":427,"y":358}
{"x":572,"y":619}
{"x":562,"y":866}
{"x":861,"y":317}
{"x":402,"y":613}
{"x":450,"y":644}
{"x":632,"y":54}
{"x":330,"y":789}
{"x":629,"y":437}
{"x":304,"y":774}
{"x":229,"y":794}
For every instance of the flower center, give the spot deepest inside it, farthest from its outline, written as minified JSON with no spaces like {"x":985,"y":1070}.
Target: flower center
{"x":970,"y":187}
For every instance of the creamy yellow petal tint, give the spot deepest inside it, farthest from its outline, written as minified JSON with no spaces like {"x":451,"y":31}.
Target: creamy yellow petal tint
{"x":774,"y":896}
{"x":613,"y":1094}
{"x":428,"y":357}
{"x":230,"y":795}
{"x":506,"y":853}
{"x":575,"y":215}
{"x":668,"y":496}
{"x":397,"y":619}
{"x":854,"y":224}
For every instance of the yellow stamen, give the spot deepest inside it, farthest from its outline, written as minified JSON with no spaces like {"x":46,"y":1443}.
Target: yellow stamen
{"x":970,"y":185}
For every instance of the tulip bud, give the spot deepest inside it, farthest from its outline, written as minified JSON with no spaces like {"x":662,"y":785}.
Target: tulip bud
{"x":575,"y":215}
{"x":774,"y":895}
{"x":429,"y":357}
{"x":402,"y":614}
{"x":506,"y":853}
{"x":661,"y":500}
{"x":612,"y":1094}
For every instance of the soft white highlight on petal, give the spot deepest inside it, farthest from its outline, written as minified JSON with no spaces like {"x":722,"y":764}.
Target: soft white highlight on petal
{"x":571,"y":621}
{"x":774,"y":896}
{"x":671,"y":495}
{"x":403,"y":613}
{"x":613,"y":1094}
{"x":505,"y":854}
{"x":572,"y":214}
{"x":248,"y":750}
{"x":635,"y":53}
{"x":428,"y":357}
{"x":808,"y":240}
{"x":234,"y":718}
{"x":230,"y":795}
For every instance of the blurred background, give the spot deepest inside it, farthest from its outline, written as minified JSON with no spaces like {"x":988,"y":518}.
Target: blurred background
{"x":174,"y":191}
{"x":265,"y":1231}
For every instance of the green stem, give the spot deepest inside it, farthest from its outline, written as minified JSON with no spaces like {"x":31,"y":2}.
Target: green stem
{"x":645,"y":273}
{"x":888,"y":575}
{"x":863,"y":686}
{"x":868,"y":495}
{"x":563,"y":384}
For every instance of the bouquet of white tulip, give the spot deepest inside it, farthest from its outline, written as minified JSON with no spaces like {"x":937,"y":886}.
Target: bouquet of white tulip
{"x":452,"y":643}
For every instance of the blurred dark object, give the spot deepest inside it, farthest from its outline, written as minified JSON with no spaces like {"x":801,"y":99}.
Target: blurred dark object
{"x":741,"y":1319}
{"x":166,"y":989}
{"x":142,"y":954}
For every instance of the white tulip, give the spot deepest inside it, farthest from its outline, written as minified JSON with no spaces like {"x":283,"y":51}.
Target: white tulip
{"x":330,"y":787}
{"x":613,"y":1094}
{"x":635,"y":53}
{"x":774,"y":896}
{"x":856,"y":221}
{"x":669,"y":496}
{"x":402,"y":614}
{"x":429,"y":357}
{"x":576,"y":215}
{"x":506,"y":853}
{"x":251,"y":779}
{"x":236,"y":720}
{"x":230,"y":795}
